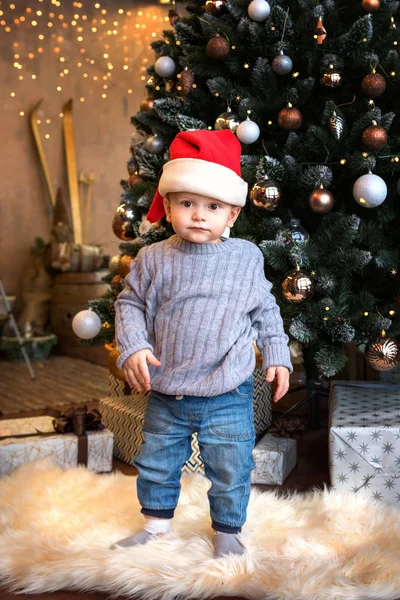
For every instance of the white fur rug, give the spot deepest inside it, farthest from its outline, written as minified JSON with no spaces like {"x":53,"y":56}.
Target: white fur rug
{"x":56,"y":528}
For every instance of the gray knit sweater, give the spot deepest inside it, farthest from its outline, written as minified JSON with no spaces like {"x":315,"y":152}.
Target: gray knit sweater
{"x":199,"y":308}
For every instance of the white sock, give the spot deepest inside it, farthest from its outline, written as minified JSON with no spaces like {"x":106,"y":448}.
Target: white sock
{"x":155,"y":526}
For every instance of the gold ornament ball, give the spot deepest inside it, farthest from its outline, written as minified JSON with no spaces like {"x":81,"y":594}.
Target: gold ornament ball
{"x":383,"y":354}
{"x":371,"y":5}
{"x":218,"y":48}
{"x":227,"y":120}
{"x":331,"y":78}
{"x":297,"y":286}
{"x":113,"y":355}
{"x":374,"y":137}
{"x":290,"y":118}
{"x":373,"y":85}
{"x":266,"y":194}
{"x":115,"y":284}
{"x":125,"y":265}
{"x":321,"y":201}
{"x":125,"y":216}
{"x":214,"y":7}
{"x":147,"y":105}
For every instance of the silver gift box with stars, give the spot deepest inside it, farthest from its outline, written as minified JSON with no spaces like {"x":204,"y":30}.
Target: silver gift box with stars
{"x":364,"y":439}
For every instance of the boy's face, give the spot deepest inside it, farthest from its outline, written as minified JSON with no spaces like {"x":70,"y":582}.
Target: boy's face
{"x":197,"y":218}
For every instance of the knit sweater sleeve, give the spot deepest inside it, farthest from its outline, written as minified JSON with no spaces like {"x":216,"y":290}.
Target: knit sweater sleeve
{"x":272,"y":340}
{"x":130,"y":311}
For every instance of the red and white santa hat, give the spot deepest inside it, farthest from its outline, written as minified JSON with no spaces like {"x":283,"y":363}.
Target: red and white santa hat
{"x":202,"y":162}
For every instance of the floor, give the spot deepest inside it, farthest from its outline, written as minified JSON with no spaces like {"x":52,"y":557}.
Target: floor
{"x":64,"y":380}
{"x":60,"y":382}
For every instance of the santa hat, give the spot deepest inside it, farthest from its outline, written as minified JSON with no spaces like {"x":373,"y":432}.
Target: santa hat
{"x":202,"y":162}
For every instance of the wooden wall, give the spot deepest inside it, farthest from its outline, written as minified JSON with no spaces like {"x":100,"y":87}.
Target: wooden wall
{"x":102,"y":126}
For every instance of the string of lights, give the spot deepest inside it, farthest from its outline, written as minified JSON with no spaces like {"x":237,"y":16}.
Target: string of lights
{"x":86,"y":40}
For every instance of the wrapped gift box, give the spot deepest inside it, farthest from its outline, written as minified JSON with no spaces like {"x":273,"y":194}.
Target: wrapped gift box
{"x":124,"y":416}
{"x":364,"y":439}
{"x":63,"y":448}
{"x":274,"y":458}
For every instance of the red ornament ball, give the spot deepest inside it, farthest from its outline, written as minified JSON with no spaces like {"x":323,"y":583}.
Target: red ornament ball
{"x":373,"y":85}
{"x":374,"y":137}
{"x":290,"y":118}
{"x":218,"y":48}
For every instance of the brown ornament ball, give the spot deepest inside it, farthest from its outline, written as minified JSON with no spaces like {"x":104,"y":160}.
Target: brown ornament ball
{"x":214,"y":7}
{"x":383,"y":354}
{"x":134,"y":179}
{"x":374,"y":137}
{"x":373,"y":85}
{"x":297,"y":286}
{"x":371,"y":5}
{"x":290,"y":118}
{"x":113,"y":355}
{"x":321,"y":201}
{"x":147,"y":105}
{"x":125,"y":265}
{"x":218,"y":48}
{"x":266,"y":194}
{"x":172,"y":16}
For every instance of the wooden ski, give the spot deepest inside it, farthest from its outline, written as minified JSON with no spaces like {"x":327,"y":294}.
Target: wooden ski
{"x":72,"y":172}
{"x":33,"y":117}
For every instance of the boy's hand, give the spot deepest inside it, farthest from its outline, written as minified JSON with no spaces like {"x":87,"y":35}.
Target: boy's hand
{"x":136,"y":370}
{"x":282,"y":377}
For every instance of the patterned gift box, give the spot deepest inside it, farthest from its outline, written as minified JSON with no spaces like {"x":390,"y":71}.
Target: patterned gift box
{"x":364,"y":439}
{"x":123,"y":413}
{"x":274,"y":458}
{"x":63,"y":448}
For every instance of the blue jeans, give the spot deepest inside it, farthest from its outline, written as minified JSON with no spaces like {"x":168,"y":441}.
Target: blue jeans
{"x":225,"y":427}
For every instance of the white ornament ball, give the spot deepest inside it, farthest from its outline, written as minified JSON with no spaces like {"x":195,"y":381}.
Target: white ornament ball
{"x":86,"y":324}
{"x":258,"y":10}
{"x":370,"y":190}
{"x":248,"y":132}
{"x":164,"y":66}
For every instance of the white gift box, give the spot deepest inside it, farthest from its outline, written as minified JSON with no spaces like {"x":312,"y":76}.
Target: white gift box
{"x":364,"y":439}
{"x":274,"y":458}
{"x":63,"y":448}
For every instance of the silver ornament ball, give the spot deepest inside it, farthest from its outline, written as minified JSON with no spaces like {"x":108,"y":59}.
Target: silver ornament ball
{"x":154,"y":144}
{"x":227,"y":120}
{"x":164,"y":66}
{"x":293,"y":233}
{"x":282,"y":64}
{"x":370,"y":190}
{"x":248,"y":132}
{"x":86,"y":324}
{"x":258,"y":10}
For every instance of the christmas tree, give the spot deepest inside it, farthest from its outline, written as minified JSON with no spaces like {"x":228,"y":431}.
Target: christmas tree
{"x":312,"y":90}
